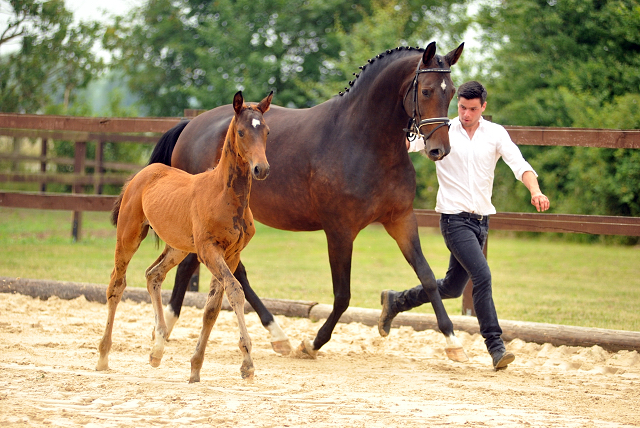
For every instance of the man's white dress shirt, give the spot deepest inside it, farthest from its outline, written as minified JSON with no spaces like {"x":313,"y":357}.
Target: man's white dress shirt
{"x":465,"y":175}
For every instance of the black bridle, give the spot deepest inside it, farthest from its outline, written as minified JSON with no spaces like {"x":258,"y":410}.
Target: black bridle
{"x":414,"y":128}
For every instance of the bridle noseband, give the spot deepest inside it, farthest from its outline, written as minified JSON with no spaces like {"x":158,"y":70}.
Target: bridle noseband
{"x":415,"y":127}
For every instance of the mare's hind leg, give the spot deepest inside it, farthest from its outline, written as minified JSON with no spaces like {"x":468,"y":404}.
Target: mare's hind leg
{"x":155,"y":275}
{"x":126,"y":246}
{"x":279,"y":340}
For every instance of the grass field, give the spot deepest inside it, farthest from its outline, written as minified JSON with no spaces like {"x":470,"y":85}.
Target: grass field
{"x":539,"y":279}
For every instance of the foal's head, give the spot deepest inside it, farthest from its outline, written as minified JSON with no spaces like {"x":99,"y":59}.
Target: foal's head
{"x":250,"y":134}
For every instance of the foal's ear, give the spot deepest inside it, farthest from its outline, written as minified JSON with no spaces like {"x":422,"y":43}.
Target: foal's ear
{"x":263,"y":106}
{"x":453,"y":56}
{"x":238,"y":102}
{"x":429,"y":53}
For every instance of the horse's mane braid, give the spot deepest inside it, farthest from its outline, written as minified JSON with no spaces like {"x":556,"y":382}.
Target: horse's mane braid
{"x":372,"y":60}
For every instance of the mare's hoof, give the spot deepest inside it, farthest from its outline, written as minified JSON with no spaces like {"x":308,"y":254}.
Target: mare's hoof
{"x":457,"y":354}
{"x":282,"y":347}
{"x":305,"y":350}
{"x":155,"y":362}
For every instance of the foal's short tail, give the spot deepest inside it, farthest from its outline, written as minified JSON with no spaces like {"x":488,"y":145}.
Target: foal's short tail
{"x":115,"y":211}
{"x":163,"y":150}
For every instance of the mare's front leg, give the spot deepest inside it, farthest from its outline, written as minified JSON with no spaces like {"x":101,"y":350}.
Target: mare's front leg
{"x":222,"y":280}
{"x":340,"y":243}
{"x":155,"y":275}
{"x":405,"y":233}
{"x":279,"y":340}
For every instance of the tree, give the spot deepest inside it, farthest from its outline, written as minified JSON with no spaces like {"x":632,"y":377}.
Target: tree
{"x":573,"y":63}
{"x":548,"y":53}
{"x":197,"y":53}
{"x":54,"y":57}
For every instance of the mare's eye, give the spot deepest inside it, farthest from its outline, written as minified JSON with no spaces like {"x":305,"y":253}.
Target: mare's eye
{"x":240,"y":133}
{"x":426,"y":92}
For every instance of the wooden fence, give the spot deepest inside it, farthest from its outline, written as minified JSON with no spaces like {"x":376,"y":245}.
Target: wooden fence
{"x":148,"y":130}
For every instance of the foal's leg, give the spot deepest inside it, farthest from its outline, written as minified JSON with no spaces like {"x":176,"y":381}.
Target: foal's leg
{"x":155,"y":275}
{"x":183,"y":275}
{"x":222,"y":277}
{"x":126,"y":246}
{"x":211,"y":311}
{"x":405,"y":233}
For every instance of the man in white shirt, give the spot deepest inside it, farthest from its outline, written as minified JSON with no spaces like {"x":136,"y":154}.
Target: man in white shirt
{"x":465,"y":179}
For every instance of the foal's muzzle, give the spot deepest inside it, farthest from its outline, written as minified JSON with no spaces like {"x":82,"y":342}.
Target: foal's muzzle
{"x":260,"y":171}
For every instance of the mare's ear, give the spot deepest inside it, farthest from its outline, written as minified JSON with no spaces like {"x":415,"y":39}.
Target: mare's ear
{"x":263,"y":106}
{"x":429,"y":53}
{"x":238,"y":102}
{"x":453,"y":56}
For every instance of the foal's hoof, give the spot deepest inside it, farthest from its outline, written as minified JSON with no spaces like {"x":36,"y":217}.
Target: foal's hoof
{"x":102,"y":365}
{"x":282,"y":347}
{"x":305,"y":350}
{"x":195,"y":377}
{"x":247,"y":374}
{"x":457,"y":354}
{"x":155,"y":362}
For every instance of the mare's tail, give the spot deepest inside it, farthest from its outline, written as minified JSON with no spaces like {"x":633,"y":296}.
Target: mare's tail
{"x":163,"y":150}
{"x":161,"y":154}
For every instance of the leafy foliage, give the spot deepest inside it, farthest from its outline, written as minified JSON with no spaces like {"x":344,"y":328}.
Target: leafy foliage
{"x":55,"y":57}
{"x":197,"y":53}
{"x":573,"y":63}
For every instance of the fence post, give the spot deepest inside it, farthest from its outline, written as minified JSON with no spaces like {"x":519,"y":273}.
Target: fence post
{"x":43,"y":163}
{"x":78,"y":170}
{"x":99,"y":170}
{"x":467,"y":294}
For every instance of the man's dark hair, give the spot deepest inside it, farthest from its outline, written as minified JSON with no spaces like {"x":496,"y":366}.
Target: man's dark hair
{"x":471,"y":90}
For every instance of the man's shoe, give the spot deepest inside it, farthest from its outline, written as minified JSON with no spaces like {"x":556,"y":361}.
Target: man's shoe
{"x":389,"y":312}
{"x":501,"y":359}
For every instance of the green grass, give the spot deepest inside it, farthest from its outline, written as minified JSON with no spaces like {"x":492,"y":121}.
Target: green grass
{"x":539,"y":279}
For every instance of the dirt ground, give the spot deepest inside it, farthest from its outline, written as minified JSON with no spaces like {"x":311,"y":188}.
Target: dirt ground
{"x":48,"y":355}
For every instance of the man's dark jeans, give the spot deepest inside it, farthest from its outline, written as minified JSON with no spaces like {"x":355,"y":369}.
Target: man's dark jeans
{"x":465,"y":239}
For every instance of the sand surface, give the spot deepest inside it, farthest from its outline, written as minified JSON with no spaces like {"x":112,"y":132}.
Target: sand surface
{"x":48,"y":356}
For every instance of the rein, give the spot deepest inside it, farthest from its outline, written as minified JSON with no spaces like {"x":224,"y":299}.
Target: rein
{"x":415,"y":127}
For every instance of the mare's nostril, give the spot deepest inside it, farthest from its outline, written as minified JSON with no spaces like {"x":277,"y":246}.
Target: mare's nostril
{"x":435,"y":154}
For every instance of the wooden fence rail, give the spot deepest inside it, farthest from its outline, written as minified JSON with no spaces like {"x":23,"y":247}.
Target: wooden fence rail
{"x":148,"y":130}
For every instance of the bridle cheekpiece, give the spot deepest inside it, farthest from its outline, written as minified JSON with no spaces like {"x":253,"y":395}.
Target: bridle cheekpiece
{"x":415,"y":123}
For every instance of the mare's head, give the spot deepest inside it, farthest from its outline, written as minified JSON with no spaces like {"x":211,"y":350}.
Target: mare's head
{"x":427,"y":100}
{"x":250,"y":133}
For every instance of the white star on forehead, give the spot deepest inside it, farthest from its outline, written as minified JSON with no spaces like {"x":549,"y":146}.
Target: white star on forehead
{"x":255,"y":123}
{"x":443,"y":85}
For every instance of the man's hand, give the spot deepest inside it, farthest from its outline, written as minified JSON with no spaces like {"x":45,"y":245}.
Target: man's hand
{"x":540,"y":201}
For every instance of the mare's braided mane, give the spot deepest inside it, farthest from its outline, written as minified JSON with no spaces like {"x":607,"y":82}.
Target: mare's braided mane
{"x":387,"y":53}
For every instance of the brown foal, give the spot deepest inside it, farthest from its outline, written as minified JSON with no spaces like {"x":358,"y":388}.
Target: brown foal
{"x":207,"y":214}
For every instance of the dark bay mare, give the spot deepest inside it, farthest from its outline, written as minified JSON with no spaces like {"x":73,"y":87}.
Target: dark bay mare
{"x":338,"y":167}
